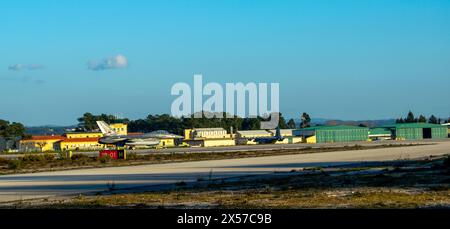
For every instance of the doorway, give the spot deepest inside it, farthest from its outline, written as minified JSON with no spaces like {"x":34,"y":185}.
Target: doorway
{"x":426,"y":133}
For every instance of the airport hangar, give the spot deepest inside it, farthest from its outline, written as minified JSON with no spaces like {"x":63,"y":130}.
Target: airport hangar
{"x":417,"y":131}
{"x":340,"y":133}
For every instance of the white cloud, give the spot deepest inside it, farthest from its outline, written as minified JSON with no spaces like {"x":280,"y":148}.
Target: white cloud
{"x":118,"y":61}
{"x":19,"y":67}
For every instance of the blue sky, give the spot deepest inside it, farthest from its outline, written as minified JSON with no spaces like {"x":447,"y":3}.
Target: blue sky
{"x":334,"y":59}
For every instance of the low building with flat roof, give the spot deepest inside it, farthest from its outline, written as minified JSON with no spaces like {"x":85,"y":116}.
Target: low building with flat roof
{"x":205,"y":133}
{"x":253,"y":133}
{"x":340,"y":133}
{"x":119,"y":128}
{"x":418,"y":131}
{"x":208,"y":137}
{"x":448,"y":128}
{"x":79,"y":144}
{"x":40,"y":143}
{"x":284,"y":132}
{"x":71,"y":135}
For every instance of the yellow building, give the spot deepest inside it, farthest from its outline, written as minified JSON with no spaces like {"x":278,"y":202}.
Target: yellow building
{"x":311,"y":139}
{"x":208,"y":137}
{"x":40,"y":143}
{"x":72,"y":135}
{"x":218,"y":142}
{"x":167,"y":142}
{"x":242,"y":136}
{"x":210,"y":142}
{"x":206,"y":133}
{"x":120,"y":128}
{"x":74,"y":141}
{"x":253,"y":134}
{"x":80,"y":144}
{"x":283,"y":132}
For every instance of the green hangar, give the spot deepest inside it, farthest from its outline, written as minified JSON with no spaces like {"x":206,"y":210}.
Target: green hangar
{"x":342,"y":133}
{"x":418,"y":131}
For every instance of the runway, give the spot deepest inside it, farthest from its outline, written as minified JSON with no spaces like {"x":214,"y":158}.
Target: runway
{"x":243,"y":148}
{"x":47,"y":184}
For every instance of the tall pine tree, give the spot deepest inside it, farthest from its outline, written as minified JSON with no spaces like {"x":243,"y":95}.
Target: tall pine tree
{"x":291,"y":124}
{"x":410,"y":118}
{"x":433,"y":120}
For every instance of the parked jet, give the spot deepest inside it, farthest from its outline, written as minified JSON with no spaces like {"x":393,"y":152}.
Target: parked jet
{"x":147,"y":139}
{"x":270,"y":140}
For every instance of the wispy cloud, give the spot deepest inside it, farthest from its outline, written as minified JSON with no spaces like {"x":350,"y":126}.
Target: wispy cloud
{"x":19,"y":67}
{"x":118,"y":61}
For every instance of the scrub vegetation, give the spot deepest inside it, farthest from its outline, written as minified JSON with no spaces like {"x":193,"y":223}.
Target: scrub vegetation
{"x":398,"y":184}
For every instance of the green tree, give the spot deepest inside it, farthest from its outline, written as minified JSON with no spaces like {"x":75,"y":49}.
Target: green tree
{"x":282,"y":122}
{"x":400,"y":120}
{"x":433,"y":120}
{"x":291,"y":124}
{"x":11,"y":131}
{"x":251,"y":124}
{"x":89,"y":121}
{"x":410,"y":118}
{"x":305,"y":120}
{"x":422,"y":119}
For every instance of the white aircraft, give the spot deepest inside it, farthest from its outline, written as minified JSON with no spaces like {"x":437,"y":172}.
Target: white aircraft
{"x":147,"y":139}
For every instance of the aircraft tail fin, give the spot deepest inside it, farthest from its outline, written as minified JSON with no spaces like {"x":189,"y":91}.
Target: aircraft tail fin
{"x":105,"y":128}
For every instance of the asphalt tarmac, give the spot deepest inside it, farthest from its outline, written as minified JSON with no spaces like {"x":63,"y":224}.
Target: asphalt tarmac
{"x":72,"y":182}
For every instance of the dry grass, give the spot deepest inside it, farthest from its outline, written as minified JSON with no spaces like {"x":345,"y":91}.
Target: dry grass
{"x":313,"y":198}
{"x":402,"y":184}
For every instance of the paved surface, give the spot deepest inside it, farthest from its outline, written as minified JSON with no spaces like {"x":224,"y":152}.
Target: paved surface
{"x":46,"y":184}
{"x":242,"y":148}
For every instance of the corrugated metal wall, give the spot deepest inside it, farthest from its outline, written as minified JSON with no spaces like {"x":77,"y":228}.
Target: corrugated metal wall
{"x":417,"y":133}
{"x":439,"y":132}
{"x":409,"y":133}
{"x":342,"y":135}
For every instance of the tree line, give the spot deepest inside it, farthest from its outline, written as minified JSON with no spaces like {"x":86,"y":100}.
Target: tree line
{"x":12,"y":131}
{"x":177,"y":125}
{"x":410,"y":118}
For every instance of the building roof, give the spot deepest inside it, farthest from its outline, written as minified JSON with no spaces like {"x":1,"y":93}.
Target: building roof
{"x":252,"y":132}
{"x":45,"y":137}
{"x":282,"y":131}
{"x":338,"y":127}
{"x":209,"y":129}
{"x":415,"y":125}
{"x":95,"y":132}
{"x":69,"y":140}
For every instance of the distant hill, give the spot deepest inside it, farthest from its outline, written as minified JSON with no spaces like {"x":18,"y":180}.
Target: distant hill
{"x":320,"y":121}
{"x":368,"y":123}
{"x":48,"y":130}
